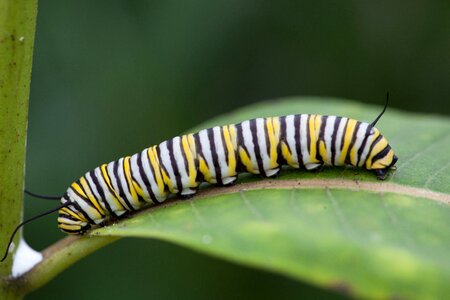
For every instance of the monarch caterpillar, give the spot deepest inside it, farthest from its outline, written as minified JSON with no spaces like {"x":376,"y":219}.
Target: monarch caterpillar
{"x":217,"y":155}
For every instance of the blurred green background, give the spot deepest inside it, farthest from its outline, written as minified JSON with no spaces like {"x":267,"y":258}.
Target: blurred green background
{"x":113,"y":77}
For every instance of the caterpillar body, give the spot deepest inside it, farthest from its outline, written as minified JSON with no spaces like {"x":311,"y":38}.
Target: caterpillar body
{"x":217,"y":155}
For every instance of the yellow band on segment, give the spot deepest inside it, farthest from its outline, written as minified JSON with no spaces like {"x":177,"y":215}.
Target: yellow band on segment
{"x":108,"y":182}
{"x":287,"y":155}
{"x":246,"y":161}
{"x":203,"y":167}
{"x":69,"y":212}
{"x":190,"y":160}
{"x":79,"y":190}
{"x":155,"y":165}
{"x":273,"y":142}
{"x":91,"y":197}
{"x":314,"y":124}
{"x":231,"y":152}
{"x":323,"y":152}
{"x":65,"y":226}
{"x":347,"y":139}
{"x":378,"y":147}
{"x":127,"y":173}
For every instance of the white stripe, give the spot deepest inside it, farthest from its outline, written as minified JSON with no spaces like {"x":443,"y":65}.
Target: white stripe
{"x":179,"y":159}
{"x":248,"y":143}
{"x":220,"y":150}
{"x":165,"y":161}
{"x":304,"y":127}
{"x":290,"y":138}
{"x":340,"y":132}
{"x":369,"y":143}
{"x":109,"y":197}
{"x":95,"y":193}
{"x":115,"y":184}
{"x":90,"y":211}
{"x":146,"y":166}
{"x":328,"y":135}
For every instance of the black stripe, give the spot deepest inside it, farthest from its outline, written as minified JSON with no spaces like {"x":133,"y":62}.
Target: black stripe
{"x":377,"y":140}
{"x":183,"y":153}
{"x":79,"y":209}
{"x":337,"y":122}
{"x":297,"y":140}
{"x":86,"y":200}
{"x":363,"y":145}
{"x":254,"y":133}
{"x":110,"y":188}
{"x":352,"y":143}
{"x":119,"y":185}
{"x":67,"y":216}
{"x":280,"y":158}
{"x":343,"y":134}
{"x":308,"y":134}
{"x":224,"y":144}
{"x":102,"y":213}
{"x":133,"y":179}
{"x":143,"y":175}
{"x":161,"y":165}
{"x":266,"y":134}
{"x":199,"y":153}
{"x":381,"y":154}
{"x":323,"y":123}
{"x":173,"y":163}
{"x":215,"y":157}
{"x":100,"y":191}
{"x":240,"y":144}
{"x":125,"y":175}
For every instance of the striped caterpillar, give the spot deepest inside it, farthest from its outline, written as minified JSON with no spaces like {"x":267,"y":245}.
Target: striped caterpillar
{"x":217,"y":155}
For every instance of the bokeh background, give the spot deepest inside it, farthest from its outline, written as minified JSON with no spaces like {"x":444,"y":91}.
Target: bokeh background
{"x":113,"y":77}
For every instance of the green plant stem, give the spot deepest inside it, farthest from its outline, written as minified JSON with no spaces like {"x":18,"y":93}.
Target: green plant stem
{"x":17,"y":28}
{"x":57,"y":258}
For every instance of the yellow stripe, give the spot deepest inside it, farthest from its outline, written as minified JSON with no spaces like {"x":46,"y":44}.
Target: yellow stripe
{"x":273,"y":142}
{"x":231,"y":152}
{"x":69,"y":212}
{"x":113,"y":194}
{"x":66,"y":226}
{"x":287,"y":155}
{"x":203,"y":167}
{"x":77,"y":188}
{"x":378,"y":147}
{"x":127,"y":173}
{"x":91,"y":197}
{"x":246,"y":161}
{"x":232,"y":130}
{"x":324,"y":152}
{"x":190,"y":160}
{"x":347,"y":139}
{"x":155,"y":165}
{"x":314,"y":123}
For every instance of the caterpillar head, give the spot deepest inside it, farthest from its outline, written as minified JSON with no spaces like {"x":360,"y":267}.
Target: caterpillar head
{"x":381,"y":157}
{"x":71,"y":219}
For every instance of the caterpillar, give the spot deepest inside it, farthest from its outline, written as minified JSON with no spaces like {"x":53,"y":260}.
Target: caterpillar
{"x":217,"y":155}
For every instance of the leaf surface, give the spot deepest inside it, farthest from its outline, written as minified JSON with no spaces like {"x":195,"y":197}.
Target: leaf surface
{"x":340,"y":228}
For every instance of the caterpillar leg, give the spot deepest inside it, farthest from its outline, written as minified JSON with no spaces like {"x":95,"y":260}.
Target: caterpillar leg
{"x":314,"y":167}
{"x":187,"y":193}
{"x":227,"y":181}
{"x":272,"y":173}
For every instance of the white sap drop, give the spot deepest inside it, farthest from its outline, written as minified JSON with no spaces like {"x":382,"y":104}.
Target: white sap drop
{"x":24,"y":259}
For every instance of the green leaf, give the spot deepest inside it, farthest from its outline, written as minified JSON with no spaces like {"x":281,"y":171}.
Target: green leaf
{"x":341,"y":228}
